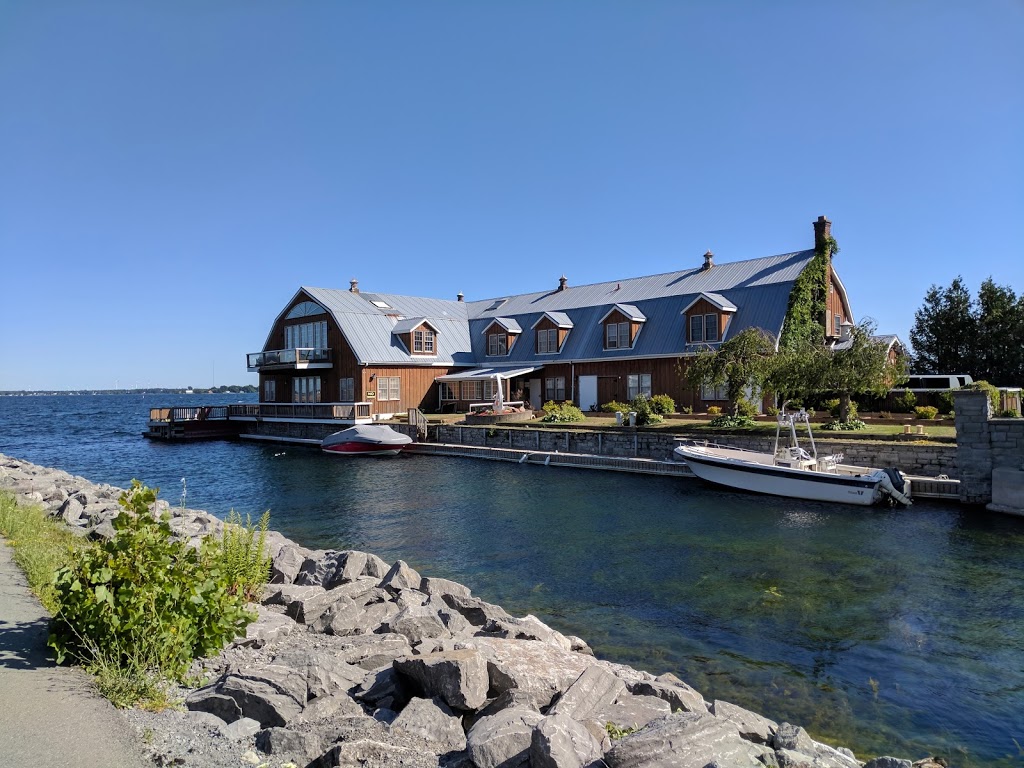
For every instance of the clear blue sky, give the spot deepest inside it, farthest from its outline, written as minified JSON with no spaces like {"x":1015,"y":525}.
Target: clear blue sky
{"x":170,"y":173}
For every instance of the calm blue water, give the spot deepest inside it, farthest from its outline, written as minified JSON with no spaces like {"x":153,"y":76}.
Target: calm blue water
{"x":890,"y":631}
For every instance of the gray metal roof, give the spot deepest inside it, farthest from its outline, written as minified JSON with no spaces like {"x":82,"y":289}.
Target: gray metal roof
{"x":560,"y":319}
{"x":508,"y":324}
{"x":628,"y":310}
{"x":758,"y":289}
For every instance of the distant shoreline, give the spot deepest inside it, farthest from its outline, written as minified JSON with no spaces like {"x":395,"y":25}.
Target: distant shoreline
{"x":231,"y":389}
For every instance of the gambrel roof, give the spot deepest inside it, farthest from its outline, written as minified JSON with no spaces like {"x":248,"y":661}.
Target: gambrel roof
{"x":755,"y":292}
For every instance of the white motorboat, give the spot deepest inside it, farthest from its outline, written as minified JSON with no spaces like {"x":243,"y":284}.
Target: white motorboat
{"x":366,"y":440}
{"x":794,"y":472}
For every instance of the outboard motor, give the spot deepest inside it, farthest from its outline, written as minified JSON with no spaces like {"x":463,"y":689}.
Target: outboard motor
{"x":894,"y":485}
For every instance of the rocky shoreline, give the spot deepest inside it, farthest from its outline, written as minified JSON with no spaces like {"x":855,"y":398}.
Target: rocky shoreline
{"x":357,"y":662}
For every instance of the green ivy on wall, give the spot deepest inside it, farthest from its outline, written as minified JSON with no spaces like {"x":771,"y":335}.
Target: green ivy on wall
{"x":805,"y":316}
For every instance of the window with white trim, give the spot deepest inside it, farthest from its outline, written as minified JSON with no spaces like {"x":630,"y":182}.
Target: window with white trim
{"x":471,"y":390}
{"x":554,"y":388}
{"x":346,"y":390}
{"x":547,"y":341}
{"x":306,"y":335}
{"x":714,"y":393}
{"x":306,"y":389}
{"x":389,"y":387}
{"x":616,"y":335}
{"x":449,"y":391}
{"x":638,"y":384}
{"x":423,"y":341}
{"x":497,"y":344}
{"x":269,"y":390}
{"x":836,"y":324}
{"x":704,"y":328}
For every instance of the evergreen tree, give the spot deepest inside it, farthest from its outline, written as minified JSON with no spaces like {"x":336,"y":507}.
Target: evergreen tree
{"x":944,"y":335}
{"x":999,"y":357}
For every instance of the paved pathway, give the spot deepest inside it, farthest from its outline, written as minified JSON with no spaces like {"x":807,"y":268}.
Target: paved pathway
{"x":49,"y":715}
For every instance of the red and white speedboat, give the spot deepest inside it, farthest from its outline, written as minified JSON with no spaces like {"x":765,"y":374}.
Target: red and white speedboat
{"x":366,"y":440}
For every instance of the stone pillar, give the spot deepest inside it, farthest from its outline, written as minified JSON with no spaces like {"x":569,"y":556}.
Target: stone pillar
{"x":973,"y":446}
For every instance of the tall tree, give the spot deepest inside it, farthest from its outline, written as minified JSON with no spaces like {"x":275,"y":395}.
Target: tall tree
{"x":999,"y":354}
{"x":944,"y":332}
{"x":744,"y":361}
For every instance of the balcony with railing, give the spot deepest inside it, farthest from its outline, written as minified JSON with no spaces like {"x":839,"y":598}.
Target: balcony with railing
{"x":300,"y":358}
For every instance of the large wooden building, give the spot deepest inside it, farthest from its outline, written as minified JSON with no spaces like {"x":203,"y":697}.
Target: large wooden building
{"x":589,"y":344}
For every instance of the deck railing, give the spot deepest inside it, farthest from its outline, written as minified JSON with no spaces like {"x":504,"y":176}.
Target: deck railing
{"x":340,"y":411}
{"x":300,"y":357}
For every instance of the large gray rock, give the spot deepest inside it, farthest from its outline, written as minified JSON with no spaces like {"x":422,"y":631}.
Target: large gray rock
{"x":503,"y":739}
{"x":371,"y":651}
{"x":241,"y":729}
{"x":592,"y":692}
{"x":369,"y":753}
{"x":401,"y":576}
{"x":71,"y":511}
{"x":383,"y":688}
{"x":439,"y":587}
{"x":361,"y":621}
{"x":306,"y":610}
{"x":417,"y":623}
{"x":268,"y":628}
{"x":434,"y":722}
{"x":287,"y":564}
{"x":272,"y":694}
{"x":288,"y":745}
{"x":283,"y":594}
{"x":888,"y":762}
{"x":210,"y":701}
{"x":559,"y":741}
{"x":349,"y":566}
{"x":316,"y":567}
{"x":752,"y":726}
{"x":458,"y":677}
{"x":630,"y":711}
{"x":673,"y":690}
{"x":324,"y":672}
{"x":532,"y":667}
{"x":474,"y":610}
{"x":793,"y":737}
{"x":684,"y":740}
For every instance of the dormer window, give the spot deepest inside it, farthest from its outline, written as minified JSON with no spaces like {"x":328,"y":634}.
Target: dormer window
{"x":423,"y":341}
{"x":622,"y":325}
{"x":707,"y":318}
{"x":551,"y":330}
{"x":501,"y":335}
{"x":497,"y":343}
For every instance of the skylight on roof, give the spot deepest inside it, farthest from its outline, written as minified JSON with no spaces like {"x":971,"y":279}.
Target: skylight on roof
{"x":380,"y":304}
{"x":497,"y":303}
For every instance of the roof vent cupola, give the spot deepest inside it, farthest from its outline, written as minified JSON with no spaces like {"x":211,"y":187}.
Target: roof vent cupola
{"x":460,"y":296}
{"x":709,"y":261}
{"x":353,"y":285}
{"x":563,"y":283}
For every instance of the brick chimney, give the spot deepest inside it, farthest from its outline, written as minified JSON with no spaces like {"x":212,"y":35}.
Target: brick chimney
{"x":353,"y":285}
{"x":822,"y":232}
{"x":563,"y":283}
{"x":709,"y":261}
{"x":459,"y":296}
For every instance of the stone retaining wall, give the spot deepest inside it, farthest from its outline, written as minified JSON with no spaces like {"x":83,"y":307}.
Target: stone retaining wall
{"x":925,"y":459}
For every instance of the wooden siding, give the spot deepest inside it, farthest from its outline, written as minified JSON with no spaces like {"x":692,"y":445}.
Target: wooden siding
{"x":618,"y":317}
{"x":496,"y":328}
{"x":705,"y":307}
{"x":417,"y":390}
{"x":546,"y":324}
{"x":833,"y":307}
{"x":665,"y":372}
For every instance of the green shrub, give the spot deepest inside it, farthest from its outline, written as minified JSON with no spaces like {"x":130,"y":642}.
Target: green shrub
{"x":926,"y":412}
{"x":663,"y":404}
{"x":844,"y":426}
{"x":745,"y":408}
{"x":989,"y":389}
{"x":1008,"y":413}
{"x":946,"y":402}
{"x":771,"y":410}
{"x":644,"y":408}
{"x":714,"y":410}
{"x":732,"y":422}
{"x":613,"y":406}
{"x":686,"y":409}
{"x":833,"y":406}
{"x":905,"y":402}
{"x":143,"y":602}
{"x":561,"y":412}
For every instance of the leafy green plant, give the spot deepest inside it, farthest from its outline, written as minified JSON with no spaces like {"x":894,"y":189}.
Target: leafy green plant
{"x":686,"y":409}
{"x":732,"y":422}
{"x":771,"y":410}
{"x":613,"y":406}
{"x":844,"y":426}
{"x":946,"y":402}
{"x":143,"y":602}
{"x":1008,"y":413}
{"x":663,"y":404}
{"x":615,"y":732}
{"x":905,"y":402}
{"x":242,"y":555}
{"x":989,"y":389}
{"x":745,"y":408}
{"x":645,"y":415}
{"x":926,"y":412}
{"x":561,"y":412}
{"x":714,"y":410}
